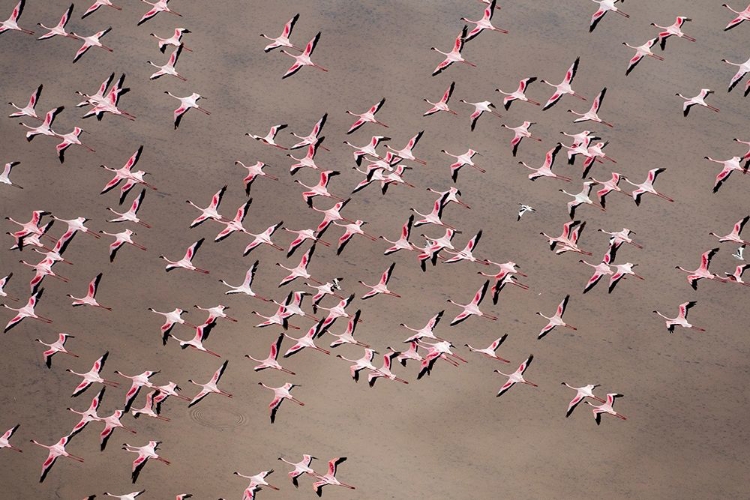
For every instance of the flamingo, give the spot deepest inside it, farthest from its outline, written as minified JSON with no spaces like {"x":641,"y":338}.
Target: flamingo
{"x":89,"y":299}
{"x":55,"y":450}
{"x":587,"y":391}
{"x":604,"y":7}
{"x":120,"y":240}
{"x":29,"y":109}
{"x":601,"y":269}
{"x":211,"y":211}
{"x":367,"y":116}
{"x":175,"y":40}
{"x":483,"y":24}
{"x":263,"y":238}
{"x":426,"y":331}
{"x":6,"y":437}
{"x":4,"y":281}
{"x":108,"y":104}
{"x":369,"y":149}
{"x":308,"y":161}
{"x":608,"y":186}
{"x":673,"y":29}
{"x":187,"y":261}
{"x":307,"y":340}
{"x":330,"y":477}
{"x":235,"y":224}
{"x":592,"y":113}
{"x":692,"y":101}
{"x":148,"y":408}
{"x":472,"y":308}
{"x":641,"y":51}
{"x":303,"y":59}
{"x":742,"y":69}
{"x":325,"y":289}
{"x":111,"y":423}
{"x":606,"y":408}
{"x":621,"y":271}
{"x":330,"y":215}
{"x":385,"y":370}
{"x":736,"y":277}
{"x":461,"y":160}
{"x":556,"y":319}
{"x":365,"y":362}
{"x":519,"y":94}
{"x":279,"y":395}
{"x":302,"y":235}
{"x":126,"y":173}
{"x":59,"y":29}
{"x":351,"y":229}
{"x":442,"y":104}
{"x":201,"y":334}
{"x":270,"y":137}
{"x":156,"y":7}
{"x":455,"y":54}
{"x":55,"y":347}
{"x":280,"y":318}
{"x":581,"y":198}
{"x":271,"y":360}
{"x":681,"y":319}
{"x":168,"y":68}
{"x":90,"y":41}
{"x":347,"y":337}
{"x":144,"y":452}
{"x":301,"y":270}
{"x":411,"y":353}
{"x":46,"y":127}
{"x":519,"y":133}
{"x":546,"y":169}
{"x":451,"y":196}
{"x":491,"y":350}
{"x":258,"y":480}
{"x":434,"y":217}
{"x":381,"y":286}
{"x":406,"y":152}
{"x":301,"y":467}
{"x":92,"y":376}
{"x":320,"y":189}
{"x":564,"y":86}
{"x":99,"y":97}
{"x":170,"y":319}
{"x":466,"y":252}
{"x":403,"y":242}
{"x":734,"y":236}
{"x":647,"y":186}
{"x":742,"y":15}
{"x":88,"y":415}
{"x":26,"y":311}
{"x":215,"y":313}
{"x":313,"y":138}
{"x":283,"y":39}
{"x":516,"y":377}
{"x":210,"y":386}
{"x":479,"y":108}
{"x":70,"y":139}
{"x":130,"y":215}
{"x":129,"y":496}
{"x":186,"y":103}
{"x":11,"y":24}
{"x":730,"y":165}
{"x":75,"y":225}
{"x":702,"y":271}
{"x":337,"y":311}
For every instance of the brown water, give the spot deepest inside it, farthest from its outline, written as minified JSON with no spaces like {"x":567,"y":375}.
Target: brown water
{"x":445,"y":436}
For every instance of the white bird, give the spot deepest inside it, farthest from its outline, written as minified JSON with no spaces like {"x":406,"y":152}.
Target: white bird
{"x":606,"y":408}
{"x":699,"y":99}
{"x":524,"y":209}
{"x":5,"y":175}
{"x":186,"y":103}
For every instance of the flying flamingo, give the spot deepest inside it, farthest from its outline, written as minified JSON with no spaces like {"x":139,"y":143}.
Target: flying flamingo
{"x":367,"y":116}
{"x":320,"y":189}
{"x":55,"y":347}
{"x":303,"y":59}
{"x":581,"y":198}
{"x":111,"y":423}
{"x":26,"y":311}
{"x":581,"y":394}
{"x":426,"y":331}
{"x":325,"y":289}
{"x":280,"y":394}
{"x":516,"y":377}
{"x":46,"y":127}
{"x":92,"y":376}
{"x":90,"y":41}
{"x":59,"y":29}
{"x":263,"y":238}
{"x":600,"y":270}
{"x":381,"y":286}
{"x":564,"y":86}
{"x":604,"y":7}
{"x":606,"y":408}
{"x":461,"y":160}
{"x":89,"y":299}
{"x":175,"y":40}
{"x":109,"y":103}
{"x":301,"y":270}
{"x":472,"y":308}
{"x":302,"y":235}
{"x":385,"y":370}
{"x":308,"y":161}
{"x":491,"y":350}
{"x":347,"y":337}
{"x":434,"y":217}
{"x":730,"y":165}
{"x":736,"y":277}
{"x":702,"y":271}
{"x":148,"y":408}
{"x":88,"y":415}
{"x":55,"y":450}
{"x":144,"y":452}
{"x":519,"y":133}
{"x":466,"y":252}
{"x":442,"y":104}
{"x":120,"y":240}
{"x":403,"y":242}
{"x":483,"y":24}
{"x":170,"y":318}
{"x":28,"y":110}
{"x":330,"y":477}
{"x":126,"y":173}
{"x":313,"y":138}
{"x":258,"y":480}
{"x":479,"y":108}
{"x":648,"y":186}
{"x":411,"y":353}
{"x":692,"y":101}
{"x":556,"y":319}
{"x":231,"y":226}
{"x":137,"y":381}
{"x":210,"y":386}
{"x":365,"y":362}
{"x":283,"y":39}
{"x":681,"y":319}
{"x":187,"y":261}
{"x":519,"y":94}
{"x":641,"y":51}
{"x":546,"y":169}
{"x":673,"y":29}
{"x":271,"y":360}
{"x":742,"y":15}
{"x":196,"y":342}
{"x":455,"y":54}
{"x":12,"y":22}
{"x":129,"y":496}
{"x":168,"y":68}
{"x":330,"y":215}
{"x":70,"y":139}
{"x":186,"y":103}
{"x":734,"y":236}
{"x":156,"y":7}
{"x":350,"y":230}
{"x":591,"y":114}
{"x":215,"y":313}
{"x":406,"y":152}
{"x":301,"y":467}
{"x":270,"y":137}
{"x":369,"y":149}
{"x":211,"y":211}
{"x":742,"y":70}
{"x":307,"y":340}
{"x":130,"y":215}
{"x":280,"y":317}
{"x":6,"y":437}
{"x":609,"y":186}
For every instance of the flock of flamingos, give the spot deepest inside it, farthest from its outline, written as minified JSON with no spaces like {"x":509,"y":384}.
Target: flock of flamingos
{"x":383,"y":166}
